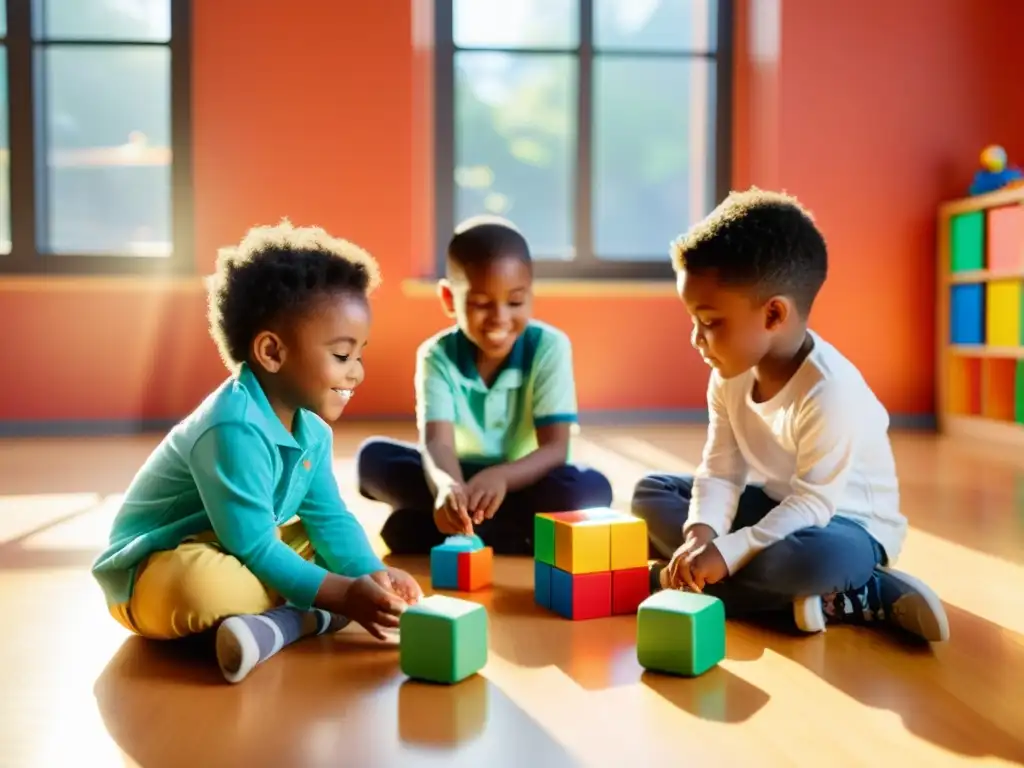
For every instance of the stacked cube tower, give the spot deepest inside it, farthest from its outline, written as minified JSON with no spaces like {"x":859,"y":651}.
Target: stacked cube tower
{"x":591,"y":563}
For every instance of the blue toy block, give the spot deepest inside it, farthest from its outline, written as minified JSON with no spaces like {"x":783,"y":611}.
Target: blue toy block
{"x":542,"y":584}
{"x":444,"y":560}
{"x":967,"y":314}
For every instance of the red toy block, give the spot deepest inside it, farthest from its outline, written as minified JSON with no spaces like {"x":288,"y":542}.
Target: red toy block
{"x":581,"y":596}
{"x":630,"y":587}
{"x":476,"y":569}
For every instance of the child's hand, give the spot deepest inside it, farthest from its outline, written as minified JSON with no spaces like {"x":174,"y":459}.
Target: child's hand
{"x":706,"y":566}
{"x":371,"y":605}
{"x":399,"y":582}
{"x":451,"y":510}
{"x":486,"y":491}
{"x":679,"y":569}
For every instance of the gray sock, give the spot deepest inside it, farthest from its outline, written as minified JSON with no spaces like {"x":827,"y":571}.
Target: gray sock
{"x":246,"y":640}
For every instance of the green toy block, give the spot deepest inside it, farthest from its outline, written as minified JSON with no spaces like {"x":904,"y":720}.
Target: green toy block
{"x":443,"y":639}
{"x":544,"y":539}
{"x":967,"y":241}
{"x":680,"y":633}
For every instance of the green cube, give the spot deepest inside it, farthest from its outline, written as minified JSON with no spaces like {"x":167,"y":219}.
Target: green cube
{"x":1018,"y":386}
{"x":967,"y":241}
{"x":544,"y":539}
{"x":443,"y":639}
{"x":680,"y":633}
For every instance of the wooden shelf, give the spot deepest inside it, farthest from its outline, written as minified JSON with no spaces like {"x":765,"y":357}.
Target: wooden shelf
{"x":980,"y":318}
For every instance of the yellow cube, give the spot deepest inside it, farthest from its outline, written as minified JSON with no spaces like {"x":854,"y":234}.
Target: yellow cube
{"x":628,"y":543}
{"x":582,"y":542}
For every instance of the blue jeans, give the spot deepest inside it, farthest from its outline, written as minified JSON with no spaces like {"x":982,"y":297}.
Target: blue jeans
{"x":813,"y":561}
{"x":392,"y":472}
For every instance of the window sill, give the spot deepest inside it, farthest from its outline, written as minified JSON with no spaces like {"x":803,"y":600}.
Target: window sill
{"x":423,"y":288}
{"x":12,"y":283}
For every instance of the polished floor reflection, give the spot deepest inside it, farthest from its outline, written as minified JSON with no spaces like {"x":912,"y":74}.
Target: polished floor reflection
{"x":77,"y":690}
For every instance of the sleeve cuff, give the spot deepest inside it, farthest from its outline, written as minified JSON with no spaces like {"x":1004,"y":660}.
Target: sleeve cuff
{"x":717,"y":525}
{"x":304,"y":585}
{"x":555,"y":418}
{"x":736,"y":549}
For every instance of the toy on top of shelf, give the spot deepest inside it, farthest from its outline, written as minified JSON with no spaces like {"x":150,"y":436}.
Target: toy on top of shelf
{"x":994,"y":173}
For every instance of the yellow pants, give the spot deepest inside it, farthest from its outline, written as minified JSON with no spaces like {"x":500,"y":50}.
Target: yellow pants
{"x":193,"y":587}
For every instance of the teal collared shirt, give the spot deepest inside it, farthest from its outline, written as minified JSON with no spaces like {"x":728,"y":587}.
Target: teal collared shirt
{"x":232,"y":467}
{"x":495,"y":424}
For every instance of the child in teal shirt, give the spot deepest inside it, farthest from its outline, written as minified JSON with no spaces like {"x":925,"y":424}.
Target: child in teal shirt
{"x":235,"y":521}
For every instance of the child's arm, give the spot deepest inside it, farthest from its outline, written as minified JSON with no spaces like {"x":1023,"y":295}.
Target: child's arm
{"x":435,"y":421}
{"x":722,"y":474}
{"x":336,"y":535}
{"x":233,"y":470}
{"x":825,"y":431}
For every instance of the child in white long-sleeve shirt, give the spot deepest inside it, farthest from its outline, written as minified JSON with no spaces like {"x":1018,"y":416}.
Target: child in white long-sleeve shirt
{"x":821,"y":533}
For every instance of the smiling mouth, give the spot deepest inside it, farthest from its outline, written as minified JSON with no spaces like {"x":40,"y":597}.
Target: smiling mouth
{"x":344,"y":394}
{"x":497,"y":337}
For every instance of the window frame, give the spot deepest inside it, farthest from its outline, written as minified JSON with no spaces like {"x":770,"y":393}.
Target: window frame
{"x":585,"y":265}
{"x":27,"y":144}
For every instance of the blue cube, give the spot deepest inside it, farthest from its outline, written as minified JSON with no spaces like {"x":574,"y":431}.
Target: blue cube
{"x":444,"y":560}
{"x":542,"y":584}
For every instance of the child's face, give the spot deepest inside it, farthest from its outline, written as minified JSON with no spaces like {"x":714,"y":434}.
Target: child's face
{"x":732,"y":329}
{"x":322,"y":361}
{"x":492,"y":303}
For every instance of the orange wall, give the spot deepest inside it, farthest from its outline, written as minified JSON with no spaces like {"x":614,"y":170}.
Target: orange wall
{"x":320,"y":116}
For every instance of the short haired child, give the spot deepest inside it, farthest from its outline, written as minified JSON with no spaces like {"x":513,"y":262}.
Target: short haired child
{"x":495,"y":404}
{"x":205,"y":537}
{"x":820,"y":535}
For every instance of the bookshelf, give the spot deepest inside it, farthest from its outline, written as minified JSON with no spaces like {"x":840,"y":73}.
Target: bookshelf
{"x":980,"y":317}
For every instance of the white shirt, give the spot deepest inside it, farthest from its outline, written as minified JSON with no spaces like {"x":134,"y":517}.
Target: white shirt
{"x":821,"y":445}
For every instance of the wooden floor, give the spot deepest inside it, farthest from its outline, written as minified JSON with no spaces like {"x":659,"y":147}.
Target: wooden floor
{"x":77,"y":691}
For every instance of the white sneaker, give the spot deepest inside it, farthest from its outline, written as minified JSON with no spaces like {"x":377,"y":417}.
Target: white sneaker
{"x":809,"y":614}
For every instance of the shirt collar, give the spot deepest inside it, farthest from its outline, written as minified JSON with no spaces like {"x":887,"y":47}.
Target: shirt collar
{"x":510,"y":374}
{"x":269,"y":421}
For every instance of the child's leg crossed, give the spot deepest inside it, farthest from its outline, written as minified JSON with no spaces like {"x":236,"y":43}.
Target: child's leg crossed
{"x":197,"y":586}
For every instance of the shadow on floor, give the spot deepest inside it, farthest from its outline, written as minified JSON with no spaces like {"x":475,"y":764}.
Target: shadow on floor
{"x":323,"y":701}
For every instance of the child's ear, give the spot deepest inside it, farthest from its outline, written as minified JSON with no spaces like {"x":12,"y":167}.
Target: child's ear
{"x":444,"y":293}
{"x":269,"y":351}
{"x":777,"y":311}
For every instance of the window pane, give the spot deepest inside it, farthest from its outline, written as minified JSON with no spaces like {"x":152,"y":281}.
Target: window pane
{"x":515,"y":139}
{"x":5,"y":160}
{"x":108,"y":138}
{"x":653,"y":152}
{"x":148,"y":20}
{"x":656,"y":25}
{"x":514,"y":23}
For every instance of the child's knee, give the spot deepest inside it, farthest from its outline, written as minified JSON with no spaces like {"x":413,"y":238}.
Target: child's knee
{"x":181,"y":593}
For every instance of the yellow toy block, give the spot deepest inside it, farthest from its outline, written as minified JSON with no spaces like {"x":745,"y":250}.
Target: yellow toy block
{"x":1002,"y":310}
{"x":628,"y":543}
{"x":583,"y":540}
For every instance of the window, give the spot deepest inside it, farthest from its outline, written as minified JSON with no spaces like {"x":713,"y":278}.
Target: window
{"x":95,"y":174}
{"x":600,"y":127}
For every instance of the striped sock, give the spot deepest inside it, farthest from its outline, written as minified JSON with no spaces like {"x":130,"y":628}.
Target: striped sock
{"x":246,"y":640}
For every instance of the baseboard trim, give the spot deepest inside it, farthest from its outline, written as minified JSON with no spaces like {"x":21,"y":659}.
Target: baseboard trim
{"x":627,"y":417}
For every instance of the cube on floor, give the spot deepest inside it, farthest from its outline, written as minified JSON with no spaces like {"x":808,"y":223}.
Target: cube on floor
{"x":443,"y":639}
{"x":591,"y":563}
{"x":461,"y":563}
{"x":680,"y":633}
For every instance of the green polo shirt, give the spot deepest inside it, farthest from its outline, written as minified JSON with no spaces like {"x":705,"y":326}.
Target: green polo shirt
{"x":233,"y":468}
{"x":496,"y":424}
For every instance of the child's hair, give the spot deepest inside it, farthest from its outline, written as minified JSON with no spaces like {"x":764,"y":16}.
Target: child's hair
{"x":482,"y":239}
{"x":765,"y":240}
{"x":277,"y":270}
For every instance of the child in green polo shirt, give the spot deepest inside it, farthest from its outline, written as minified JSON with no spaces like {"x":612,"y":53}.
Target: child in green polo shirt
{"x":495,"y":407}
{"x":235,"y":520}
